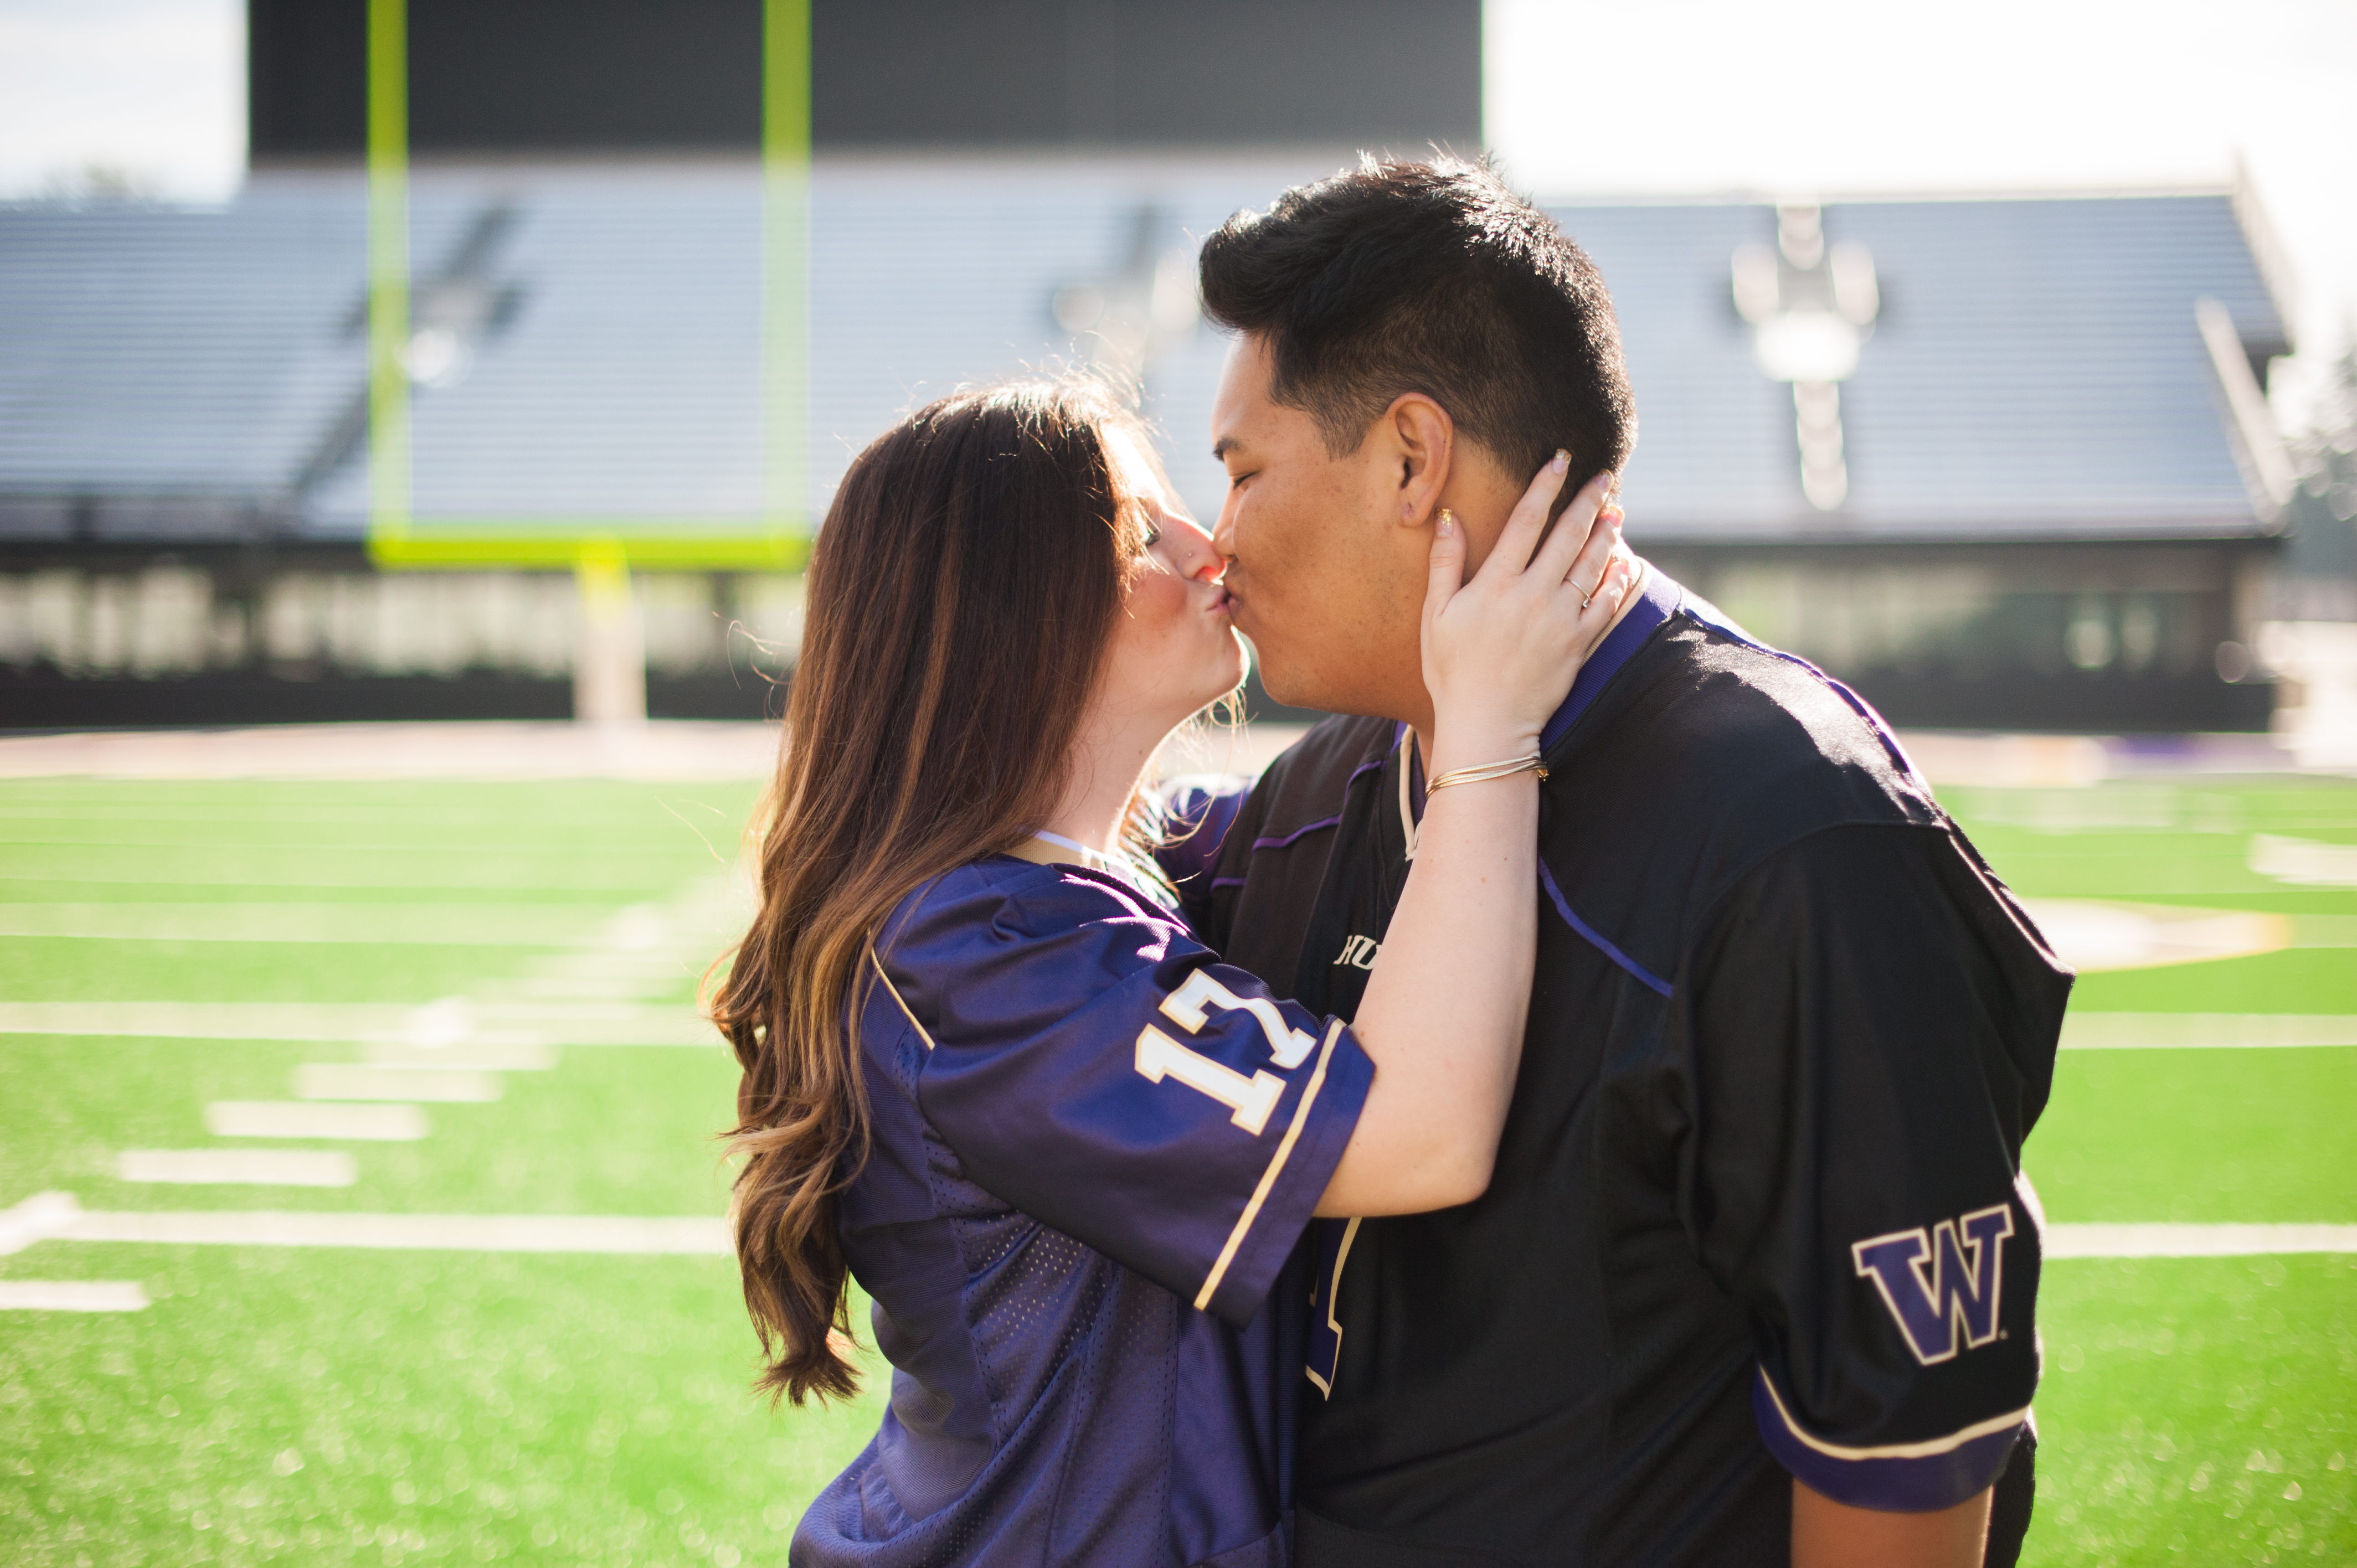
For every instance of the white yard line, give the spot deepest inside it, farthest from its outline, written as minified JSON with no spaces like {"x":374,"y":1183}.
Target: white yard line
{"x":661,"y":749}
{"x":506,"y":925}
{"x":251,"y":1167}
{"x":475,"y":1054}
{"x":348,"y":1080}
{"x":605,"y":1023}
{"x":341,"y":1021}
{"x":2304,"y":863}
{"x":432,"y":1232}
{"x":451,"y":1050}
{"x":55,"y":1216}
{"x":300,"y":1119}
{"x":625,"y":988}
{"x":674,"y":963}
{"x":2205,"y":1031}
{"x":72,"y":1296}
{"x":509,"y":1023}
{"x":2093,"y":934}
{"x":2195,"y":1241}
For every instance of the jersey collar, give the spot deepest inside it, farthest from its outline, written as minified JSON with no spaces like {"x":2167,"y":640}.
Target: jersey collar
{"x":1054,"y":849}
{"x":1657,"y":599}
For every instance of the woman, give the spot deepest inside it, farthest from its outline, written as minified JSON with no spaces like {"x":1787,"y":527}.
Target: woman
{"x":988,"y":1072}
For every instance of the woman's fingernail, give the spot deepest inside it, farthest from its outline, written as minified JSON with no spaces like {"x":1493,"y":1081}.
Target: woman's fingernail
{"x":1562,"y":462}
{"x":1446,"y":524}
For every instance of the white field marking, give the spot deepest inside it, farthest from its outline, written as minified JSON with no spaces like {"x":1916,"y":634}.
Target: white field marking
{"x":499,"y":1023}
{"x":351,"y":1081}
{"x":505,"y":925}
{"x":2204,"y":1031}
{"x":412,"y":871}
{"x":657,"y":750}
{"x":340,"y":1021}
{"x":683,"y":963}
{"x":249,"y":1167}
{"x":636,"y":927}
{"x":623,"y":960}
{"x":2195,"y":1241}
{"x":560,"y":988}
{"x":552,"y":1022}
{"x":200,"y":1020}
{"x":2118,"y":804}
{"x":56,"y":1216}
{"x":2304,"y":863}
{"x":476,"y":1054}
{"x":2091,"y":934}
{"x":605,"y":1023}
{"x":72,"y":1296}
{"x":2007,"y":761}
{"x":699,"y":1235}
{"x":443,"y":1022}
{"x":300,"y":1119}
{"x":39,"y":1217}
{"x":66,"y":806}
{"x":607,"y":973}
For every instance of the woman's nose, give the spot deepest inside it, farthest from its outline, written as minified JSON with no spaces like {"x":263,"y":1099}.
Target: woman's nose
{"x":1191,"y":551}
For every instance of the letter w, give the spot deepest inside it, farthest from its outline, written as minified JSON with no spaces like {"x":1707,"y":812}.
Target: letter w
{"x":1957,"y":1297}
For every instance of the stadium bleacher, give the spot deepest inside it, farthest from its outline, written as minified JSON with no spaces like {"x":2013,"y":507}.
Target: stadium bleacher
{"x":2034,"y":412}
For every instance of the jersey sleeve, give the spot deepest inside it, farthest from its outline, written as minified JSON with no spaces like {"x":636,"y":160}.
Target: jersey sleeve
{"x":1872,"y":1031}
{"x":1095,"y":1067}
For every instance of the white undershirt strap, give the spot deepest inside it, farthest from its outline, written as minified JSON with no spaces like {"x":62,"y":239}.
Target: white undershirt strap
{"x":1408,"y":824}
{"x":1088,"y":857}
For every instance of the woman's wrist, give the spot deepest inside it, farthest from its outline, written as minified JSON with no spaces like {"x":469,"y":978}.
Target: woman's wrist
{"x":1486,"y":773}
{"x":1477,"y":746}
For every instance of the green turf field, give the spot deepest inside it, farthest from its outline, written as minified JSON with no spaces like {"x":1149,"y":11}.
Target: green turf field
{"x":302,"y":1405}
{"x":328,"y":1404}
{"x":2195,"y":1410}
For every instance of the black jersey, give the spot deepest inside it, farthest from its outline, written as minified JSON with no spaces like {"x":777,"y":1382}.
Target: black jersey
{"x":1756,"y":1211}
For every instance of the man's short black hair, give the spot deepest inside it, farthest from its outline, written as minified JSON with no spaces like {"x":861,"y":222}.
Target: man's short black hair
{"x":1434,"y":278}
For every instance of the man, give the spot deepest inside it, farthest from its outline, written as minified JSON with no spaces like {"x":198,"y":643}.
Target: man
{"x":1754,"y":1276}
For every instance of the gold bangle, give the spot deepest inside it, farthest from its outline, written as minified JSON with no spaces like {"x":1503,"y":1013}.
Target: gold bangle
{"x":1487,"y":771}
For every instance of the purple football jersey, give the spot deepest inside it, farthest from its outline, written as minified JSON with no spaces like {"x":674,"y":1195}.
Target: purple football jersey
{"x":1096,"y":1148}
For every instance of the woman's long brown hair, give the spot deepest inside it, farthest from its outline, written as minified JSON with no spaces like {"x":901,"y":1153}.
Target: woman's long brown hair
{"x":959,"y":598}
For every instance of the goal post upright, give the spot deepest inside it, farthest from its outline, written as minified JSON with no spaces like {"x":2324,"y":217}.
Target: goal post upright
{"x":387,"y":165}
{"x":785,"y":260}
{"x":777,"y":539}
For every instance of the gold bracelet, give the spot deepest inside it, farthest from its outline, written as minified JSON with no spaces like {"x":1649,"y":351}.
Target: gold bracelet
{"x":1486,"y":772}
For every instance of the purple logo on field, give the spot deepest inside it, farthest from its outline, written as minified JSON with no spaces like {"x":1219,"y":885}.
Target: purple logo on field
{"x":1953,"y":1296}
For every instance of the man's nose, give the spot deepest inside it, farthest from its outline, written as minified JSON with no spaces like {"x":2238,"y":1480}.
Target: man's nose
{"x":1224,"y":529}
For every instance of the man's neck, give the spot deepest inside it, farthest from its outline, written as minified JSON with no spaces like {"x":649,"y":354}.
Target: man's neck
{"x":1422,"y":726}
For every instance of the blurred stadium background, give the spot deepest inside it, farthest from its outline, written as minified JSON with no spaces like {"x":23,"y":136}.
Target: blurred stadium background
{"x":358,"y":1201}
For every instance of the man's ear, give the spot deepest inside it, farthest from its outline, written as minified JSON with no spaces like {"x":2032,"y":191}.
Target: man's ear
{"x":1419,"y":442}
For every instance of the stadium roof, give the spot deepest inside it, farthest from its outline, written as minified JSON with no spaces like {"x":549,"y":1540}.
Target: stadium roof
{"x":2035,"y":369}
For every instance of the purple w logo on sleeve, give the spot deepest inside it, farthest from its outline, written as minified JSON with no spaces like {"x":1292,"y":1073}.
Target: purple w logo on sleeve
{"x":1954,"y":1295}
